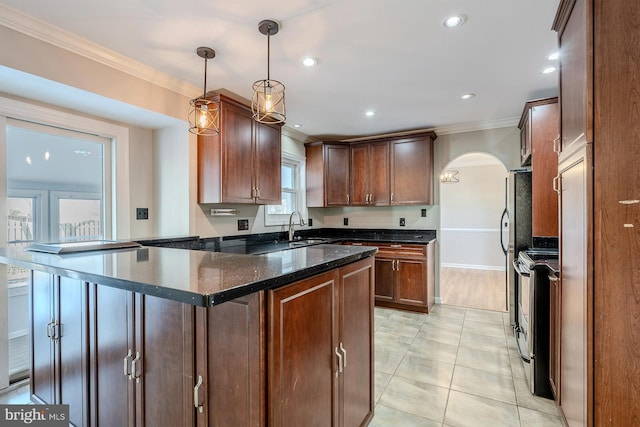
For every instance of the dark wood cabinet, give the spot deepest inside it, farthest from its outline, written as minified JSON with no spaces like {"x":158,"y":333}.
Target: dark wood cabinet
{"x":321,"y":365}
{"x":136,"y":358}
{"x":242,"y":163}
{"x":539,"y":125}
{"x":59,"y":356}
{"x":327,"y":175}
{"x":412,"y":170}
{"x":230,"y":375}
{"x":370,"y":174}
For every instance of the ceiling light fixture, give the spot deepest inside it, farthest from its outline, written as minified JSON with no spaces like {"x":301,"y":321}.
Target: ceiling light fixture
{"x":309,"y":61}
{"x":297,"y":125}
{"x":548,"y":70}
{"x":468,"y":96}
{"x":203,"y":113}
{"x":370,"y":113}
{"x":453,"y":21}
{"x":268,"y":95}
{"x":450,"y":176}
{"x":554,"y":56}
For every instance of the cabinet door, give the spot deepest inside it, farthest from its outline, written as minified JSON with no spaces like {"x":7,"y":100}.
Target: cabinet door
{"x":230,"y":359}
{"x":356,"y":338}
{"x":268,"y":158}
{"x":237,"y":155}
{"x":385,"y":279}
{"x":525,"y":140}
{"x":411,"y":170}
{"x":42,"y":349}
{"x":72,"y":348}
{"x":303,"y":339}
{"x":574,"y":78}
{"x":111,"y":339}
{"x":411,"y":282}
{"x":359,"y":175}
{"x":164,"y":384}
{"x":554,"y":335}
{"x":336,"y":171}
{"x":379,"y":174}
{"x":575,"y":208}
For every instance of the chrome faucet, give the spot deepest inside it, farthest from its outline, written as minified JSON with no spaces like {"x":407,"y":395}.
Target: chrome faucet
{"x":292,"y":230}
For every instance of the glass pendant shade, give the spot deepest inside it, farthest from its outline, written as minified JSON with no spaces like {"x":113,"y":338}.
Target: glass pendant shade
{"x":268,"y":104}
{"x":204,"y":113}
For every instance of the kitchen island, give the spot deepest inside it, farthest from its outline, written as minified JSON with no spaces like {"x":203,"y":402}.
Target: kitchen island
{"x":161,"y":336}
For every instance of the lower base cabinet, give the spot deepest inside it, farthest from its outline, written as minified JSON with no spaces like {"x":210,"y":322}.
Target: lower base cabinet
{"x":120,"y":358}
{"x":320,"y":349}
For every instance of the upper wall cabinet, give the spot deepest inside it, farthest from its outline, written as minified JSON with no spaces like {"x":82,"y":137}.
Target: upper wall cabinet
{"x":376,"y":171}
{"x":327,"y":174}
{"x":539,"y":129}
{"x":242,"y":163}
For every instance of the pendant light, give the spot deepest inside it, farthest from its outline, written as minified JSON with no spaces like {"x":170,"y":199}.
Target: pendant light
{"x":268,"y":95}
{"x":203,"y":113}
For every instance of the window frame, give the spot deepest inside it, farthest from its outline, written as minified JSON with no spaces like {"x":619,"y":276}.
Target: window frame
{"x":299,"y":162}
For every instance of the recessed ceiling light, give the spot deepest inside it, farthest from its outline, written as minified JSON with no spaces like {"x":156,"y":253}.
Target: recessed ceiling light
{"x":548,"y":70}
{"x":370,"y":113}
{"x":453,"y":21}
{"x":297,"y":125}
{"x":309,"y":61}
{"x":468,"y":96}
{"x":554,"y":56}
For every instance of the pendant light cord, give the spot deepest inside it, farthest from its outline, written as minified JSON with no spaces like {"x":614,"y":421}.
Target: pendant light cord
{"x":268,"y":51}
{"x":204,"y":95}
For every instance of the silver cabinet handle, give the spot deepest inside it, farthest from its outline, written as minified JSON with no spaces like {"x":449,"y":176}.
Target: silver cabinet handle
{"x":556,"y":188}
{"x":392,"y":198}
{"x":126,"y":364}
{"x":396,"y":246}
{"x":339,"y":361}
{"x":397,"y":265}
{"x":344,"y":354}
{"x":347,"y":199}
{"x":196,"y":397}
{"x":556,"y":145}
{"x":49,"y":329}
{"x":133,"y":373}
{"x":393,"y":264}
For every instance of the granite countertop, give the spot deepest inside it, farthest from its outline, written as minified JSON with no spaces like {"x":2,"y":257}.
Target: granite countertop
{"x":195,"y":277}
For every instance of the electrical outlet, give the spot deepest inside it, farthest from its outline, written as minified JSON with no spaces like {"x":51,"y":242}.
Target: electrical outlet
{"x":345,"y":221}
{"x":310,"y":222}
{"x":402,"y":222}
{"x":142,"y":213}
{"x":243,"y":224}
{"x":423,"y":212}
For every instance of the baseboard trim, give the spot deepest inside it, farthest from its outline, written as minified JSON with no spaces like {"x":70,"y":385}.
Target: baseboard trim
{"x":474,"y":266}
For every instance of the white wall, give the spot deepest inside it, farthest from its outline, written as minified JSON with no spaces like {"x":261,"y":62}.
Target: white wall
{"x":469,"y":218}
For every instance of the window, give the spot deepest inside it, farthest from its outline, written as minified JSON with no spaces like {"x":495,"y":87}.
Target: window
{"x":292,"y":191}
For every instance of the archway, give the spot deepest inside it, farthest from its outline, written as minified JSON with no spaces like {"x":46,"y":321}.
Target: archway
{"x":472,"y":263}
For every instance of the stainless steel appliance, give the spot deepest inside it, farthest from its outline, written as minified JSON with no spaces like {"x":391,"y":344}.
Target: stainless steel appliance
{"x":517,"y":217}
{"x":532,"y":332}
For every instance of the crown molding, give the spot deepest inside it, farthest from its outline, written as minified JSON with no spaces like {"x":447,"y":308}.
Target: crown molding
{"x":476,"y":126}
{"x":41,"y":30}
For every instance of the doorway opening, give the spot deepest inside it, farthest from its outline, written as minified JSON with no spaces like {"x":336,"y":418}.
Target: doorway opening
{"x":472,"y":263}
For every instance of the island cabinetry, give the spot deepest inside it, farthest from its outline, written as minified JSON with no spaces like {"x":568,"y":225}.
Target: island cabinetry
{"x":142,"y":358}
{"x":327,"y":174}
{"x":59,"y":355}
{"x":320,"y":358}
{"x":230,"y":366}
{"x":242,"y":163}
{"x":412,"y":170}
{"x":370,"y":174}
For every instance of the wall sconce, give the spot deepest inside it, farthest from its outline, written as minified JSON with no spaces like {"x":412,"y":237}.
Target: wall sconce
{"x":450,"y":176}
{"x":203,"y":113}
{"x":268,"y":95}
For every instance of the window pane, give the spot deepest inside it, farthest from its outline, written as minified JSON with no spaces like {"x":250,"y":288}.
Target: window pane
{"x":287,"y":206}
{"x":80,"y":219}
{"x":288,"y":176}
{"x":20,"y":221}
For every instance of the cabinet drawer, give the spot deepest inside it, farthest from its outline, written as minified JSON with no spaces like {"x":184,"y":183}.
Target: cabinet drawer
{"x":399,"y":250}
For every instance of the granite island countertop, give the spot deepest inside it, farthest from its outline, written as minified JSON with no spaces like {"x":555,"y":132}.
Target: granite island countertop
{"x":201,"y":278}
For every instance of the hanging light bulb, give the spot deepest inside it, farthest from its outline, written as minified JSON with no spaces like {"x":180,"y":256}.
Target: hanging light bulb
{"x":268,"y":95}
{"x":203,"y":113}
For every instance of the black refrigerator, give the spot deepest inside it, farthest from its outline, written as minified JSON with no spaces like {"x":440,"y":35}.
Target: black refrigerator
{"x":515,"y":226}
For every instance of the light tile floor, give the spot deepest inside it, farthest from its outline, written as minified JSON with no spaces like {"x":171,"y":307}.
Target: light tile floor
{"x":454,"y":367}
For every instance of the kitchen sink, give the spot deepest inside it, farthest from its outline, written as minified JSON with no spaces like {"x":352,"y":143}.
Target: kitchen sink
{"x":306,"y":242}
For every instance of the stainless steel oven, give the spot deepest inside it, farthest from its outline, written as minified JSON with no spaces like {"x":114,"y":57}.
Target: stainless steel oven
{"x":532,"y":333}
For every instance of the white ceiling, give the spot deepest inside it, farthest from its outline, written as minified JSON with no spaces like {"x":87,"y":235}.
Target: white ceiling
{"x":393,"y":57}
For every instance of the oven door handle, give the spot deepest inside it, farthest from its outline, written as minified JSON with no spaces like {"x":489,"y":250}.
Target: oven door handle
{"x":520,"y":269}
